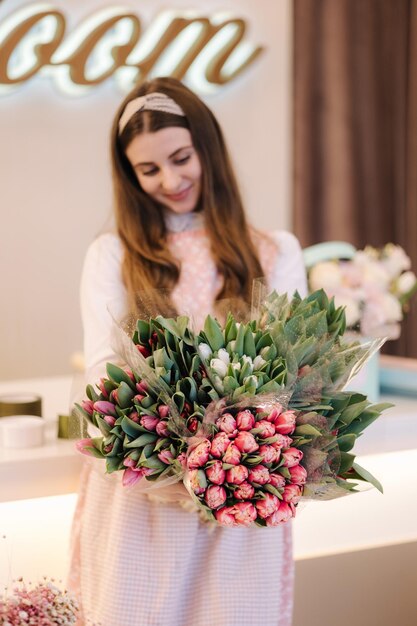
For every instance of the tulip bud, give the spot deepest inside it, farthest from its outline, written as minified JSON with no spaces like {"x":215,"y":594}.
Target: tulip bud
{"x":215,"y":473}
{"x":283,"y":514}
{"x":215,"y":496}
{"x":199,"y":455}
{"x":198,"y":481}
{"x":267,"y":506}
{"x":232,"y":455}
{"x":245,"y":420}
{"x":244,"y":491}
{"x":259,"y":475}
{"x":227,"y":424}
{"x":219,"y":444}
{"x":291,"y":456}
{"x":149,"y":422}
{"x":237,"y":475}
{"x":246,"y":442}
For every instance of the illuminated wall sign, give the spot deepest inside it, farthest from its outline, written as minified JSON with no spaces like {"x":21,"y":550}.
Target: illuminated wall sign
{"x":209,"y":51}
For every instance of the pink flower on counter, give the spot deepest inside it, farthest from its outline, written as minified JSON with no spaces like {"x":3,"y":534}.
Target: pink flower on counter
{"x":292,"y":493}
{"x":149,"y":422}
{"x":259,"y":475}
{"x":267,"y":506}
{"x":266,"y":429}
{"x":162,"y":428}
{"x":245,"y":420}
{"x":277,"y":480}
{"x":244,"y":491}
{"x":199,"y":455}
{"x":281,"y":516}
{"x":291,"y":456}
{"x":105,"y":407}
{"x":163,"y":410}
{"x":246,"y":442}
{"x":165,"y":456}
{"x":227,"y":424}
{"x":198,"y":481}
{"x":215,"y":496}
{"x":237,"y":475}
{"x":215,"y":473}
{"x":298,"y":474}
{"x":219,"y":445}
{"x":232,"y":455}
{"x":285,"y":422}
{"x":269,"y":454}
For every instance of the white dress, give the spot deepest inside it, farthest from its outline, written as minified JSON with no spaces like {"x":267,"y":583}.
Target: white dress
{"x":138,"y":562}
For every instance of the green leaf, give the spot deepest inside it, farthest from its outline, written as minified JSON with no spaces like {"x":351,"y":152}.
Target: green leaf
{"x":131,"y":428}
{"x":213,"y":333}
{"x":307,"y":429}
{"x":118,"y":375}
{"x":346,"y":442}
{"x":249,"y":344}
{"x":142,"y":440}
{"x":363,"y":474}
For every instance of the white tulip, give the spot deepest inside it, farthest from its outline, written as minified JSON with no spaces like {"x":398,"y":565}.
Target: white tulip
{"x":205,"y":351}
{"x":406,"y":282}
{"x":224,"y":356}
{"x":219,"y":367}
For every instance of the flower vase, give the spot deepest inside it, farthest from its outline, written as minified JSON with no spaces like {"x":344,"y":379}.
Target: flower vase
{"x":366,"y":380}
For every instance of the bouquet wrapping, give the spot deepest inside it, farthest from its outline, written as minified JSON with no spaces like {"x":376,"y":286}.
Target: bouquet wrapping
{"x":250,"y":414}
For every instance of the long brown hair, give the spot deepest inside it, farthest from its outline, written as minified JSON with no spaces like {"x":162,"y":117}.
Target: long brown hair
{"x":148,"y":264}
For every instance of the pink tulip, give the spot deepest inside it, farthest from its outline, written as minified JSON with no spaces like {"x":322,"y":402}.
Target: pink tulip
{"x":163,"y":410}
{"x":149,"y":422}
{"x":88,"y":406}
{"x":131,"y":476}
{"x":291,"y":456}
{"x":102,"y":388}
{"x":277,"y":481}
{"x":142,"y":386}
{"x":110,"y":420}
{"x":128,"y":462}
{"x":192,"y":424}
{"x":267,"y":506}
{"x":292,"y":493}
{"x":232,"y":455}
{"x":298,"y":474}
{"x":259,"y":474}
{"x":165,"y":456}
{"x":266,"y":429}
{"x":269,"y":454}
{"x":143,"y":350}
{"x":285,"y":423}
{"x":277,"y":410}
{"x":182,"y":460}
{"x":138,"y":398}
{"x":282,"y":515}
{"x":215,"y":496}
{"x":227,"y":424}
{"x":219,"y":445}
{"x":130,"y":374}
{"x":225,"y":516}
{"x":134,"y":416}
{"x":283,"y":441}
{"x":215,"y":473}
{"x":105,"y":407}
{"x":83,"y":445}
{"x":199,"y":455}
{"x":198,"y":481}
{"x":245,"y":491}
{"x":246,"y":442}
{"x":245,"y":513}
{"x":236,"y":475}
{"x":162,"y":428}
{"x":109,"y":448}
{"x":245,"y":420}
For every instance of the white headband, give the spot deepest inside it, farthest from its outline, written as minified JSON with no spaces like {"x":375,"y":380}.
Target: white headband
{"x":150,"y":102}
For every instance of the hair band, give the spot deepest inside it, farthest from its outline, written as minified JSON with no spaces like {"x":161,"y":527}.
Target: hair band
{"x":150,"y":102}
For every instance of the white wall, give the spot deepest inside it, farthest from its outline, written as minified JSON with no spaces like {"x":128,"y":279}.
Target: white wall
{"x":55,"y":191}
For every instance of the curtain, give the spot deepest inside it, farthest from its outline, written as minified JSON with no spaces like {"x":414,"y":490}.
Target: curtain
{"x":355,"y":128}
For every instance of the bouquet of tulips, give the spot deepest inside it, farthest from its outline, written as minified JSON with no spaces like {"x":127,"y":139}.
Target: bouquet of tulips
{"x":251,"y":416}
{"x":374,"y":286}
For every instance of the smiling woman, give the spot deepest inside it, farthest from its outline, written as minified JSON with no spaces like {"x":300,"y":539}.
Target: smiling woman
{"x":167,"y":167}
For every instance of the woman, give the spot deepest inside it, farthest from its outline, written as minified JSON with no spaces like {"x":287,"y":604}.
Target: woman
{"x":137,"y":560}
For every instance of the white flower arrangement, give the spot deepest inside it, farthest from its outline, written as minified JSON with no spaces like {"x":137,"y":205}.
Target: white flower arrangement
{"x":374,"y":287}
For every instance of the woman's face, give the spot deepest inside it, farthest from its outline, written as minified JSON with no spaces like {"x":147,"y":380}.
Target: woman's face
{"x":167,"y":167}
